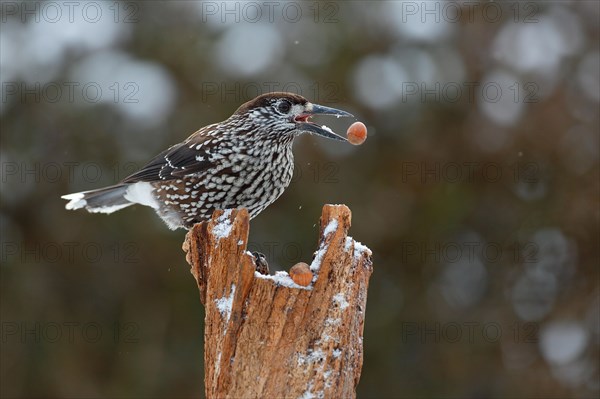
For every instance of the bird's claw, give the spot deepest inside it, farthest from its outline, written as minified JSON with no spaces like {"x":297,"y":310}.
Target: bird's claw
{"x":261,"y":263}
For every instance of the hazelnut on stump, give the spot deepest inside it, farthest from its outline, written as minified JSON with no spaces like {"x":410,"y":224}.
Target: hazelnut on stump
{"x":301,"y":274}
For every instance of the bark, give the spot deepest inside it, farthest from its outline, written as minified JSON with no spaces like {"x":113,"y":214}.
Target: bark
{"x":265,"y":336}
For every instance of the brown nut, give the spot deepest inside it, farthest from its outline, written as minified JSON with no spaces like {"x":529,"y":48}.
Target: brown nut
{"x":357,"y":133}
{"x":301,"y":274}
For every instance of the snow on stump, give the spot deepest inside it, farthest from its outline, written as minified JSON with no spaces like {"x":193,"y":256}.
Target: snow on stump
{"x":267,"y":337}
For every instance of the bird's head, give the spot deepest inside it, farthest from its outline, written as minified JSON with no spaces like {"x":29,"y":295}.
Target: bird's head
{"x":290,"y":113}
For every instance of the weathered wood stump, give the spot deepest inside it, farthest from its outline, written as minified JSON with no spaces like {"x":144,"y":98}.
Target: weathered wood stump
{"x":267,"y":337}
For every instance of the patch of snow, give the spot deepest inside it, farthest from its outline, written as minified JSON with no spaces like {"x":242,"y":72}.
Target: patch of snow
{"x":328,"y":383}
{"x":311,"y":357}
{"x":348,"y":244}
{"x":225,"y":304}
{"x":337,"y":353}
{"x":325,"y":338}
{"x":282,"y":279}
{"x":224,"y":226}
{"x":241,"y":242}
{"x":341,"y":300}
{"x":359,"y":249}
{"x":307,"y":395}
{"x":316,"y":263}
{"x":331,"y":227}
{"x":332,"y":322}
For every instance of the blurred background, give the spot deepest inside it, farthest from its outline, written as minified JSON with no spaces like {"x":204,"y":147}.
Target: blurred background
{"x":477,"y":189}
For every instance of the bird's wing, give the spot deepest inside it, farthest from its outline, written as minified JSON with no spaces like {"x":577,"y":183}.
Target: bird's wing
{"x":191,"y":156}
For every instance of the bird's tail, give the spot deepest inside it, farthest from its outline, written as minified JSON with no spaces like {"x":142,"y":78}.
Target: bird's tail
{"x":102,"y":200}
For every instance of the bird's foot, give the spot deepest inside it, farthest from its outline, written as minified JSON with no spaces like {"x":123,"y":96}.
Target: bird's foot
{"x":261,"y":263}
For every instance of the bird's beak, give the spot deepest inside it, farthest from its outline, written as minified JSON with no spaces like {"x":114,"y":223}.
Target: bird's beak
{"x":304,"y":125}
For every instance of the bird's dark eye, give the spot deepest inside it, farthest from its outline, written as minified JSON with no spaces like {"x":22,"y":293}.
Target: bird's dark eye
{"x":284,"y":107}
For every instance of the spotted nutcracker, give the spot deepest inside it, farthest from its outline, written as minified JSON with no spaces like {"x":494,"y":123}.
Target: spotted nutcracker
{"x":245,"y":161}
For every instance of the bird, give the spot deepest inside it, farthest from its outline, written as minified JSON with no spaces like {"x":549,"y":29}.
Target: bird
{"x":245,"y":161}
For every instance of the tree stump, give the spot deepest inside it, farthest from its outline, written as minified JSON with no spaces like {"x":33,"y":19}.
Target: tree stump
{"x":267,"y":337}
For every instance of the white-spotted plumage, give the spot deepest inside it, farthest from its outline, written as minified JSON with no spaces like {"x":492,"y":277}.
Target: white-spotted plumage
{"x":244,"y":161}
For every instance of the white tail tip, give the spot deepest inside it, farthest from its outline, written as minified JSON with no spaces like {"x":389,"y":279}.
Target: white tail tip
{"x":76,"y":201}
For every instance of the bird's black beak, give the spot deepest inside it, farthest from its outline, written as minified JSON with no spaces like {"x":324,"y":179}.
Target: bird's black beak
{"x":304,"y":125}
